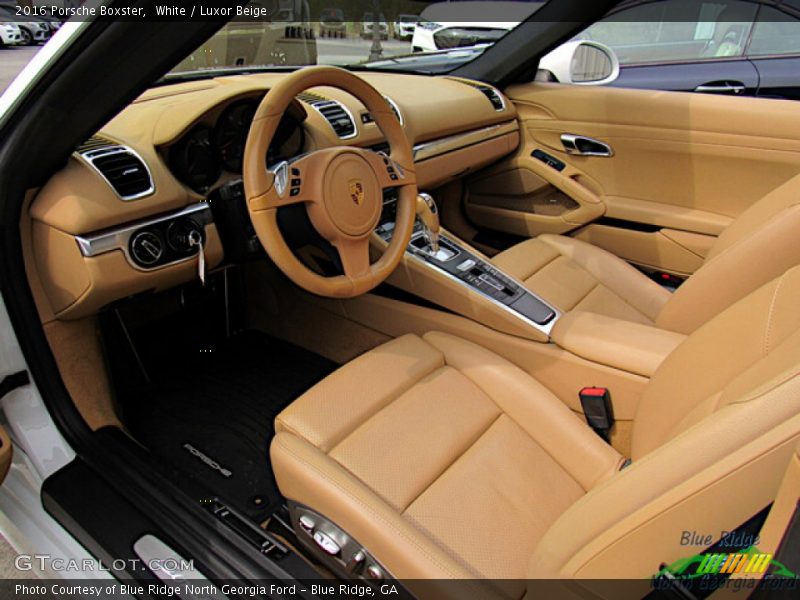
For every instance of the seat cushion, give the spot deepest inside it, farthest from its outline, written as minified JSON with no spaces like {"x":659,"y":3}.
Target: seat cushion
{"x":424,"y":448}
{"x":571,"y":274}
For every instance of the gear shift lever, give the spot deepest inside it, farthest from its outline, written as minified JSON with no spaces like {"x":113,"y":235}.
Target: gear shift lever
{"x":428,"y":214}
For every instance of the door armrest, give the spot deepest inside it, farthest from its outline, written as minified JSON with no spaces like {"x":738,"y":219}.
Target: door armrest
{"x":624,"y":345}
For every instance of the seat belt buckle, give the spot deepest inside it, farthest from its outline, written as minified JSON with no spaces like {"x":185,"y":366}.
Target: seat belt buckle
{"x":597,"y":408}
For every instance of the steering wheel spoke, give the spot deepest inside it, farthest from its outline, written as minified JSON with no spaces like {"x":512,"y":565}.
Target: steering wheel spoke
{"x":354,"y":255}
{"x":389,"y":172}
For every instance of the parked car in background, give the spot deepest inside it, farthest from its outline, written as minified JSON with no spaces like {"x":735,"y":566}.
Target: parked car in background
{"x":10,"y":34}
{"x":448,"y":25}
{"x":368,"y":22}
{"x":404,"y":26}
{"x":731,"y":47}
{"x":331,"y":23}
{"x":34,"y":31}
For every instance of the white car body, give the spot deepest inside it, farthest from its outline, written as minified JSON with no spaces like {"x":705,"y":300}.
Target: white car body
{"x":39,"y":30}
{"x":404,"y":29}
{"x":468,"y":15}
{"x":10,"y":34}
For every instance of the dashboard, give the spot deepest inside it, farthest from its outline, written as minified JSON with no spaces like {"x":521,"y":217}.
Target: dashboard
{"x":200,"y":157}
{"x":128,"y":211}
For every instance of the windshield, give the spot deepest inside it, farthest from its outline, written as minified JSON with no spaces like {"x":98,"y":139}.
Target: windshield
{"x":402,"y":35}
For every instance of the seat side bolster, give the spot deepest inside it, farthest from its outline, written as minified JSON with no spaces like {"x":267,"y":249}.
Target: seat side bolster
{"x":625,"y":528}
{"x":545,"y":418}
{"x":304,"y":472}
{"x":643,"y":294}
{"x":734,"y":272}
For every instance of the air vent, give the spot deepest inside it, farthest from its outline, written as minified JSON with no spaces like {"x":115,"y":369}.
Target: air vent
{"x":395,"y":109}
{"x":338,"y":116}
{"x":334,"y":112}
{"x":122,"y":168}
{"x":93,"y":143}
{"x":310,"y":97}
{"x":492,"y":94}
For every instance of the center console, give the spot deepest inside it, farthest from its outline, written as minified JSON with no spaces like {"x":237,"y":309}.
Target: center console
{"x":467,"y":268}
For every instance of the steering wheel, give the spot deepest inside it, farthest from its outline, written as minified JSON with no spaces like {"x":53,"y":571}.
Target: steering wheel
{"x":342,"y":188}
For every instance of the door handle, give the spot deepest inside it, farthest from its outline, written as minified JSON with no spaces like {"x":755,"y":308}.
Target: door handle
{"x":585,"y":146}
{"x":721,"y":87}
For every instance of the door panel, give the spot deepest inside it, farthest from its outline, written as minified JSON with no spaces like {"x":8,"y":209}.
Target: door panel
{"x":685,"y":162}
{"x":687,"y":77}
{"x":779,"y":77}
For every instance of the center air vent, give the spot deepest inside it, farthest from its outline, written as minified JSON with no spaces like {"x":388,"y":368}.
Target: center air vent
{"x":338,"y":117}
{"x":120,"y":166}
{"x":334,"y":112}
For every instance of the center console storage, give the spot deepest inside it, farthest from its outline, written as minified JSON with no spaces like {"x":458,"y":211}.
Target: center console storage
{"x":632,"y":347}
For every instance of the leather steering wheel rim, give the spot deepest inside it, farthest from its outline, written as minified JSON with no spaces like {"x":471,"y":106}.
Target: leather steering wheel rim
{"x":342,"y":188}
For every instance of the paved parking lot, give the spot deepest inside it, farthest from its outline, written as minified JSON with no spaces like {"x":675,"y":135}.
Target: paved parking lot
{"x":12,"y":60}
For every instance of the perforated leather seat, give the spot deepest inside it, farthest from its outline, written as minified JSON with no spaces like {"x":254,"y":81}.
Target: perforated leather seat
{"x":573,"y":275}
{"x":446,"y":461}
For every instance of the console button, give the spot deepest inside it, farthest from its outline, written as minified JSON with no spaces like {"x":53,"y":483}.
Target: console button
{"x":327,"y":543}
{"x":466,"y":265}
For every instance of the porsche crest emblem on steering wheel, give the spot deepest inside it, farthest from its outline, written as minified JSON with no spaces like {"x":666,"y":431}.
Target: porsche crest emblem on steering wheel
{"x":357,"y":192}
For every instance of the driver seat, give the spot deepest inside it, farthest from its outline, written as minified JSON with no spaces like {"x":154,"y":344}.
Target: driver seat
{"x":445,"y":461}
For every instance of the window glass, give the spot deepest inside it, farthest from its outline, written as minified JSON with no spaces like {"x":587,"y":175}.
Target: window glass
{"x":775,"y":32}
{"x":676,"y":30}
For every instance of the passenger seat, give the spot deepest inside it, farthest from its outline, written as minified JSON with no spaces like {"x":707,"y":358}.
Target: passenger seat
{"x":761,"y":244}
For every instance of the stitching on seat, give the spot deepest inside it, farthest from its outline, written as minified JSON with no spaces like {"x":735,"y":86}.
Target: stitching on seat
{"x":456,"y":459}
{"x":586,"y":295}
{"x":535,"y":271}
{"x":394,"y":398}
{"x":770,"y":314}
{"x":369,"y":510}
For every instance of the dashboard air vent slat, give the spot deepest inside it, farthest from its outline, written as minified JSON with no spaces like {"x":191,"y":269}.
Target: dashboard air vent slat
{"x":121,"y":167}
{"x":310,"y":97}
{"x":340,"y":120}
{"x":93,"y":143}
{"x":493,"y":96}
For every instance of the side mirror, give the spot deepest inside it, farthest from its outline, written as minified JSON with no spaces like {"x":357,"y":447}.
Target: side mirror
{"x":582,"y":62}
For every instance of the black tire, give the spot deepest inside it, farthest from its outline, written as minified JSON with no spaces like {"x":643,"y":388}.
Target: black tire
{"x":27,"y":36}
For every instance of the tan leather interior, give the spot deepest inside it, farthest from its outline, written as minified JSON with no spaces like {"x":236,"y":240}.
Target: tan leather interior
{"x":720,"y":410}
{"x":454,"y":126}
{"x":452,"y":419}
{"x":757,"y":247}
{"x":573,"y":275}
{"x":623,"y":345}
{"x":343,"y":217}
{"x":690,"y":162}
{"x":6,"y":453}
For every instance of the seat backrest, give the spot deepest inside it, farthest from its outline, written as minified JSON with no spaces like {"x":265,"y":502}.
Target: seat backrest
{"x":761,"y":244}
{"x":712,"y":436}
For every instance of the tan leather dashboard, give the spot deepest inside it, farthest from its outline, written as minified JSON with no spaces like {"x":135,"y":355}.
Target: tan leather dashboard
{"x":454,"y":128}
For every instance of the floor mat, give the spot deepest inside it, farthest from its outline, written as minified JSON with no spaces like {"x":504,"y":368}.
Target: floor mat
{"x":210,"y":411}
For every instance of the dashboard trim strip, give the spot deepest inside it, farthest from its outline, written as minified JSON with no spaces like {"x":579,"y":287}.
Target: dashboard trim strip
{"x":119,"y":238}
{"x":443,"y":145}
